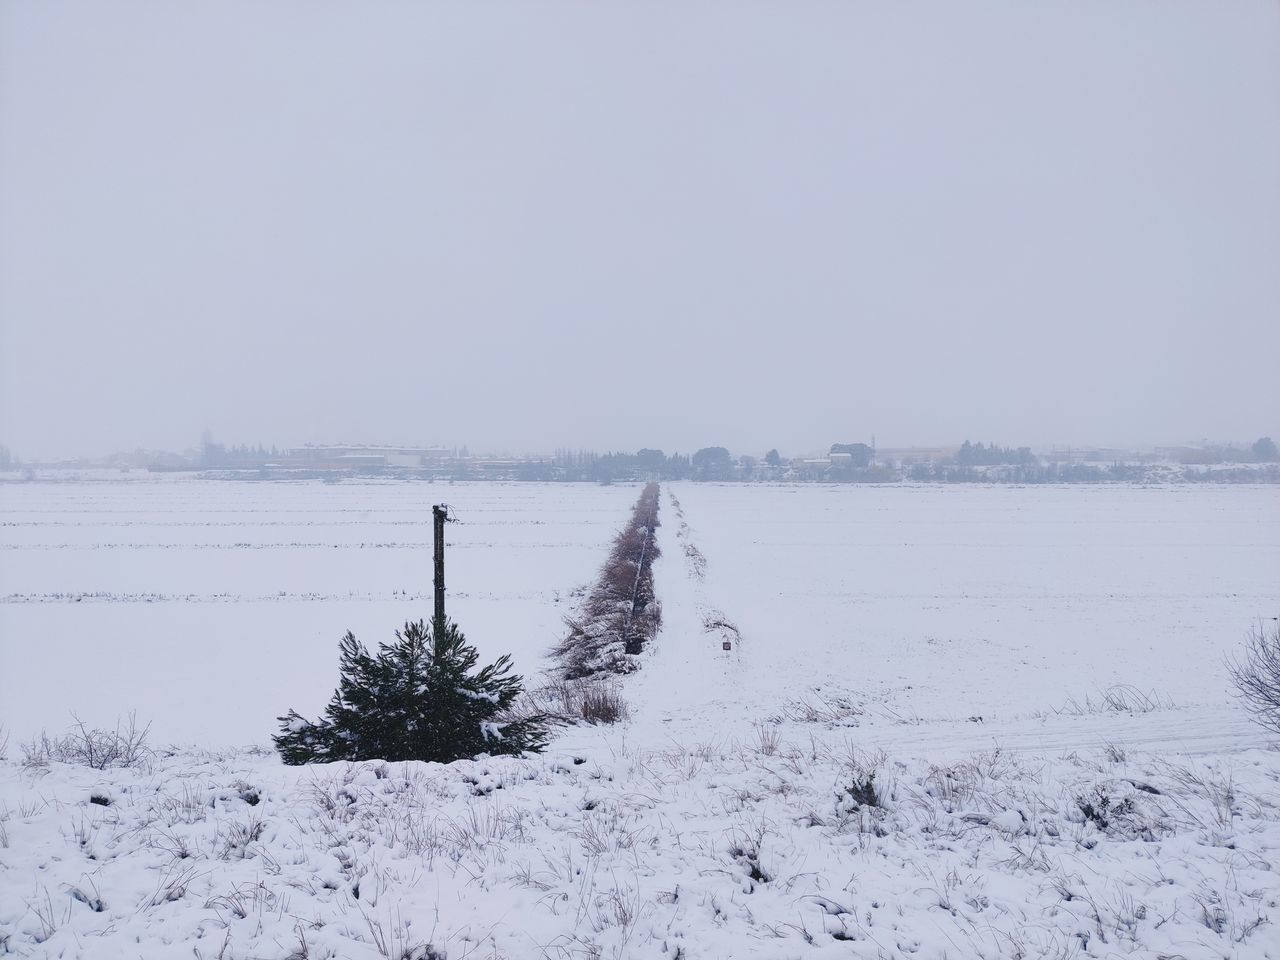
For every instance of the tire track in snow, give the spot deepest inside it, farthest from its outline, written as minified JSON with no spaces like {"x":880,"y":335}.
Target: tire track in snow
{"x":1189,"y":731}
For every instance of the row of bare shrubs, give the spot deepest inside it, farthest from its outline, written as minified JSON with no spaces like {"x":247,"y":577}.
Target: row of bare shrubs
{"x":96,"y":747}
{"x":621,"y":613}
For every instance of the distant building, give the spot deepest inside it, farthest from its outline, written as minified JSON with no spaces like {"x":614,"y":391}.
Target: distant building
{"x":364,"y":455}
{"x":810,"y":469}
{"x":362,"y":460}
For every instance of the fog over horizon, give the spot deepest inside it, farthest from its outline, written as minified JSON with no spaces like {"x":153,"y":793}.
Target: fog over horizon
{"x":524,"y":226}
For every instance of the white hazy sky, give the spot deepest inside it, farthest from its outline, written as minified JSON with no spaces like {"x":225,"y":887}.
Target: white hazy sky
{"x":522,"y":225}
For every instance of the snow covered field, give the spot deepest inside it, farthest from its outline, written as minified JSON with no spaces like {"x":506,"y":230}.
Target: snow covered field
{"x":929,"y":605}
{"x":967,"y":645}
{"x":210,"y":607}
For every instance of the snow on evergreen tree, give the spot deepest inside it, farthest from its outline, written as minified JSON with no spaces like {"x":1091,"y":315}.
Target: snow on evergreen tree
{"x":418,"y":698}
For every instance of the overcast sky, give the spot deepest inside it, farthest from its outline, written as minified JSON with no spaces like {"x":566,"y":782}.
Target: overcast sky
{"x":527,"y":225}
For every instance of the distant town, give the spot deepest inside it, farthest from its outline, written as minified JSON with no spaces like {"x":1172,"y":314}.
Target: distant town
{"x":855,"y":462}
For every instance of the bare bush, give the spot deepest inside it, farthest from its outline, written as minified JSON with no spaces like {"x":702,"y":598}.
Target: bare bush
{"x":598,"y":702}
{"x":1256,"y":675}
{"x":125,"y":746}
{"x":715,"y":622}
{"x":592,"y":700}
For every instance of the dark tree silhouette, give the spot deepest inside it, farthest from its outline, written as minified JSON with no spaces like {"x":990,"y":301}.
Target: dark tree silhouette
{"x":418,"y":698}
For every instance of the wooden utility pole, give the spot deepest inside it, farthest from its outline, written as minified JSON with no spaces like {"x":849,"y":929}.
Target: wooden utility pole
{"x":439,"y":513}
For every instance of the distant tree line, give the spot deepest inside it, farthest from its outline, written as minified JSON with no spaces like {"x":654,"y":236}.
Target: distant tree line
{"x":217,"y":455}
{"x":709,"y":463}
{"x":1031,"y":473}
{"x":645,"y":464}
{"x":844,"y":463}
{"x":976,"y":455}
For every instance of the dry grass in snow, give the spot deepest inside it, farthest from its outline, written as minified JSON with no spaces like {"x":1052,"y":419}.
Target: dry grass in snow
{"x":767,"y":848}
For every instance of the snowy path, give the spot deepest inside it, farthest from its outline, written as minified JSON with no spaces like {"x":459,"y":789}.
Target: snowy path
{"x":688,"y":674}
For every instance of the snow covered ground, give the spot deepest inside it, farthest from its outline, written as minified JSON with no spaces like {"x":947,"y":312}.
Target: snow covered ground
{"x":1034,"y":676}
{"x":927,"y":606}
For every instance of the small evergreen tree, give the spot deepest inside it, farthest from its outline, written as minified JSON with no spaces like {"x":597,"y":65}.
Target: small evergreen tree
{"x":418,"y":698}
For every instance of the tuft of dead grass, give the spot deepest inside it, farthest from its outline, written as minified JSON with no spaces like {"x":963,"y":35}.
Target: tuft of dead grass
{"x":594,"y":700}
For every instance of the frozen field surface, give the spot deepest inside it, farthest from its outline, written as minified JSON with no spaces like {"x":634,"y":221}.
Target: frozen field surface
{"x":1034,"y":676}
